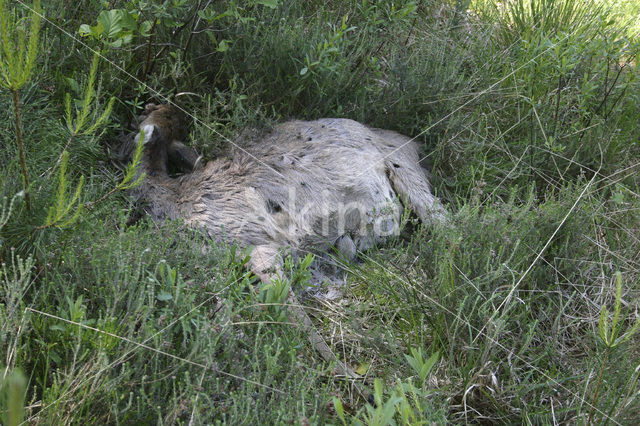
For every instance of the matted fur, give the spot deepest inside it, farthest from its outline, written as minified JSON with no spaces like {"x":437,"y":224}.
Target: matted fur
{"x":303,"y":186}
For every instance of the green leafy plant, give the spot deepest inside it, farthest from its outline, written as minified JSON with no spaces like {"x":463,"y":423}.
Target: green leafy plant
{"x":171,"y":284}
{"x":115,"y":28}
{"x":339,"y":407}
{"x":326,"y":55}
{"x":67,"y":208}
{"x":274,"y":296}
{"x":299,"y":272}
{"x":403,"y":404}
{"x":384,"y":410}
{"x":610,"y":329}
{"x":84,"y":116}
{"x":611,"y":335}
{"x":421,"y":366}
{"x":77,"y":115}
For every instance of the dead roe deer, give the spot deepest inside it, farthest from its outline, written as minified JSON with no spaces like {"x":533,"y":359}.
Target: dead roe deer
{"x":304,"y":186}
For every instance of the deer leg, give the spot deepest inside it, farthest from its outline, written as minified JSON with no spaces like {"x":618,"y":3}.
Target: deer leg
{"x":265,"y":264}
{"x":411,"y":186}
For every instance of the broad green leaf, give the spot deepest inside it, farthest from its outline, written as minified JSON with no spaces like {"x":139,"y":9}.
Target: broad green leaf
{"x":269,"y":3}
{"x":223,"y":46}
{"x":86,"y":30}
{"x":337,"y":404}
{"x":116,"y":24}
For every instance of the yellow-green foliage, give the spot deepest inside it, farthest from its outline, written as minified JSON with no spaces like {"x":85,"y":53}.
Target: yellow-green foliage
{"x":66,"y":209}
{"x":609,"y":329}
{"x":77,"y":123}
{"x":17,"y":55}
{"x":131,"y":178}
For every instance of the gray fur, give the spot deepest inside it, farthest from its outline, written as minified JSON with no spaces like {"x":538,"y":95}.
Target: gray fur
{"x":305,"y":186}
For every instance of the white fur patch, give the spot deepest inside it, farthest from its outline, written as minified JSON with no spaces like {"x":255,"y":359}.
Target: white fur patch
{"x":148,"y":133}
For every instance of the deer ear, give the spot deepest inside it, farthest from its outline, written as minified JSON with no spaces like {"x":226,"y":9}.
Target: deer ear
{"x":149,"y":108}
{"x":185,"y":159}
{"x":151,"y":134}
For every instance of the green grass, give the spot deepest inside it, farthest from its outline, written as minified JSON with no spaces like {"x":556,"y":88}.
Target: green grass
{"x":527,"y":116}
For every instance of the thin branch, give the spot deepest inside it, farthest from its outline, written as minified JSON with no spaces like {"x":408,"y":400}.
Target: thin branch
{"x":195,"y":26}
{"x":23,"y":163}
{"x":149,"y":44}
